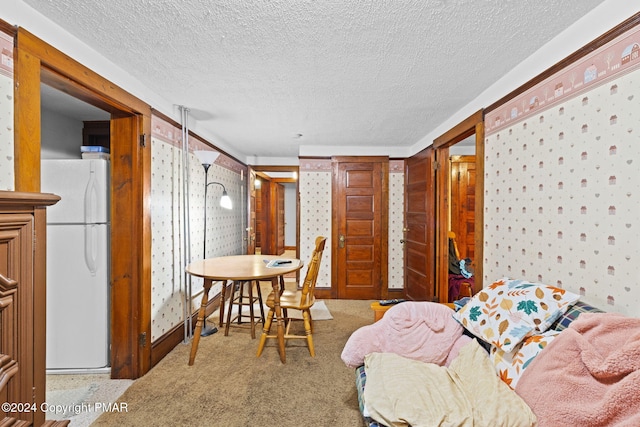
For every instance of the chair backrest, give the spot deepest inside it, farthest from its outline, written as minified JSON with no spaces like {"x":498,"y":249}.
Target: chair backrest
{"x":454,"y":254}
{"x":309,"y":284}
{"x":452,"y":240}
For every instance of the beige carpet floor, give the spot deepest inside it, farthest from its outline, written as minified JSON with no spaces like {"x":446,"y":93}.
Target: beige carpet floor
{"x":229,"y":386}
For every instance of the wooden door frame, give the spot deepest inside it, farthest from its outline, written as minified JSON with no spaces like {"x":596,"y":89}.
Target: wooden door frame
{"x":279,"y":216}
{"x":251,"y":211}
{"x":37,"y":62}
{"x":474,"y":124}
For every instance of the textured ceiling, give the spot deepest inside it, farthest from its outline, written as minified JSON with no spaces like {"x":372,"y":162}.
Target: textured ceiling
{"x":267,"y":76}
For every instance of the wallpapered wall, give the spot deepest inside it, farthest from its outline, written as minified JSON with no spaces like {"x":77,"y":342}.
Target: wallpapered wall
{"x":6,"y":113}
{"x":224,"y":227}
{"x":315,"y":216}
{"x":396,"y":224}
{"x":561,"y":181}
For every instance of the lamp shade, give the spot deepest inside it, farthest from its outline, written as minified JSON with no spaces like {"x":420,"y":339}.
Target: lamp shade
{"x":206,"y":157}
{"x":225,"y":201}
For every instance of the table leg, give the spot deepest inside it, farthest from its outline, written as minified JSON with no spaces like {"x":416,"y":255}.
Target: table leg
{"x":229,"y":311}
{"x":279,"y":319}
{"x":222,"y":297}
{"x":281,"y":278}
{"x":200,"y":321}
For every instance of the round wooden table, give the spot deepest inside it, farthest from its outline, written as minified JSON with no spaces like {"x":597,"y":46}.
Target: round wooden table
{"x":240,"y":267}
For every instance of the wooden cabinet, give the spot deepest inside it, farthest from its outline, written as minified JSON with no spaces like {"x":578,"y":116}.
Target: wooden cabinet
{"x":22,"y":306}
{"x":96,"y":133}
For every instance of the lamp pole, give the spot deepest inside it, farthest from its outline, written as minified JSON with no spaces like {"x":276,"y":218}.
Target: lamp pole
{"x":206,"y":331}
{"x":225,"y":202}
{"x":204,"y":243}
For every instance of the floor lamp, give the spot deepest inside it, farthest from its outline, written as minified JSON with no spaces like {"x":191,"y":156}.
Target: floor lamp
{"x":207,"y":158}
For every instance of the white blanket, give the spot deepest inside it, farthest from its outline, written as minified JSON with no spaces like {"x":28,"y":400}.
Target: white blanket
{"x":402,"y":392}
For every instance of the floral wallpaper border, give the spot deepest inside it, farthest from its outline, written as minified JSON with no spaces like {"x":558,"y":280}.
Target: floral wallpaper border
{"x":171,"y":134}
{"x":619,"y":56}
{"x":6,"y":55}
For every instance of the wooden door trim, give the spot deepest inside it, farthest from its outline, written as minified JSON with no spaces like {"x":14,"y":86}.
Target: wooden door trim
{"x":251,"y":211}
{"x":279,"y":215}
{"x":443,"y":171}
{"x":462,"y":159}
{"x":36,"y":61}
{"x":93,"y":83}
{"x":474,"y":124}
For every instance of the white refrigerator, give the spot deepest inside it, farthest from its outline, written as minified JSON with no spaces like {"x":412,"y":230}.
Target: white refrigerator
{"x":78,"y":264}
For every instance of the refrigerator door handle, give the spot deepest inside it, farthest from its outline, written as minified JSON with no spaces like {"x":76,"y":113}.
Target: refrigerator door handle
{"x":90,"y":247}
{"x":90,"y":196}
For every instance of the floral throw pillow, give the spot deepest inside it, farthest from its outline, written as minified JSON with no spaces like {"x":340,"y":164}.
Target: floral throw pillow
{"x":508,"y":311}
{"x":510,"y":366}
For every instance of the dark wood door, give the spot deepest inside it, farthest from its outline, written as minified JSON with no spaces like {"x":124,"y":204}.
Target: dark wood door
{"x":264,"y":220}
{"x":419,"y":236}
{"x":280,"y":219}
{"x":259,"y":218}
{"x":463,"y":196}
{"x":360,"y":214}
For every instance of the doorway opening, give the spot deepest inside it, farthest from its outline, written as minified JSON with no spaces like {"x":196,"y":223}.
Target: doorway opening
{"x":130,"y":126}
{"x":78,"y":232}
{"x":277,"y":212}
{"x":469,"y":132}
{"x":462,"y":179}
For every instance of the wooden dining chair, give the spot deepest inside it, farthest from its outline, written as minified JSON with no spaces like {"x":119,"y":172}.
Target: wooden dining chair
{"x":301,"y":300}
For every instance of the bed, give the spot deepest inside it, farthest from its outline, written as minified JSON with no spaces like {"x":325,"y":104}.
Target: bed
{"x":542,"y":367}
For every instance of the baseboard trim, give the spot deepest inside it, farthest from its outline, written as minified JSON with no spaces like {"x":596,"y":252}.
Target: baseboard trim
{"x":326,"y":293}
{"x":322,"y":293}
{"x":395,"y":293}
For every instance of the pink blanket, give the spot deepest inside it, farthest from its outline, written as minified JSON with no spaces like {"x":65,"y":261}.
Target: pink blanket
{"x":424,"y":331}
{"x":589,"y":375}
